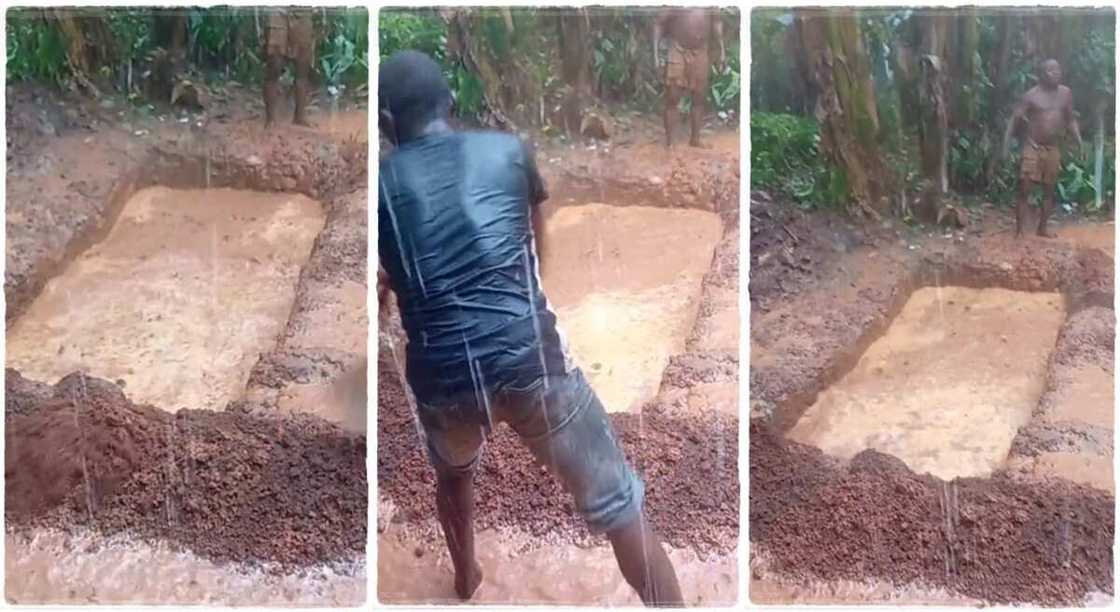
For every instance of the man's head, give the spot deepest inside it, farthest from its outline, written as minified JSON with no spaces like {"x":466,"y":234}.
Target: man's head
{"x":1050,"y":73}
{"x":412,"y":94}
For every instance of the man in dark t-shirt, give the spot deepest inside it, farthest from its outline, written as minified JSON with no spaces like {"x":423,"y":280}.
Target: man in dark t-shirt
{"x":459,"y":239}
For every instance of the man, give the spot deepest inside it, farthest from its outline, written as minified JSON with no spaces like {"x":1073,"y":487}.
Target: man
{"x":686,"y":72}
{"x":289,"y":35}
{"x":1047,"y":110}
{"x":460,"y":232}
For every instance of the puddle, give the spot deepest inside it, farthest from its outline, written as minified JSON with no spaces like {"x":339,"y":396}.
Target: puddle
{"x":550,"y":575}
{"x":55,"y":568}
{"x":948,"y":386}
{"x":178,"y":301}
{"x":775,"y":592}
{"x":625,"y":282}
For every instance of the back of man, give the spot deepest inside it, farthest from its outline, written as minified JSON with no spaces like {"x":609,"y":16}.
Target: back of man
{"x":457,"y":240}
{"x":458,"y":234}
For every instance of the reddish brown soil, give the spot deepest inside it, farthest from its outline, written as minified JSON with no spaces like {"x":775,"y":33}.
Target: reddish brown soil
{"x":689,"y":462}
{"x":1086,"y":339}
{"x":228,"y":486}
{"x":245,"y":484}
{"x":996,"y":540}
{"x":820,"y":294}
{"x":689,"y":465}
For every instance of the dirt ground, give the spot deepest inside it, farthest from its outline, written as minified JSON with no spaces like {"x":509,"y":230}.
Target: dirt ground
{"x":244,"y":478}
{"x":846,"y":504}
{"x":653,"y":276}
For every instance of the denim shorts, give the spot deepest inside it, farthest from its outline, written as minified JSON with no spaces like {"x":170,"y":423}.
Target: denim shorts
{"x":563,"y":423}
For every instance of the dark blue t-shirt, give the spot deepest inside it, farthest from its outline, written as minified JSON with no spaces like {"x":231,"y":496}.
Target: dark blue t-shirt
{"x":455,"y":237}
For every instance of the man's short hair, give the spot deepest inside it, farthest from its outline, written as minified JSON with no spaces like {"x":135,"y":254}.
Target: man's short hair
{"x":411,"y":86}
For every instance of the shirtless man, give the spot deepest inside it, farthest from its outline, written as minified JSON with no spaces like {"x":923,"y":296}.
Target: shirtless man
{"x":289,"y":35}
{"x":687,"y":69}
{"x":1047,"y":110}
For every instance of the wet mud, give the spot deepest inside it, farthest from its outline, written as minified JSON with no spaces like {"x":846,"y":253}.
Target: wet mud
{"x":553,"y":574}
{"x":864,"y":526}
{"x":174,"y":266}
{"x":196,"y":499}
{"x":933,"y":391}
{"x":80,"y":567}
{"x":625,"y":283}
{"x":225,"y":485}
{"x":682,"y":437}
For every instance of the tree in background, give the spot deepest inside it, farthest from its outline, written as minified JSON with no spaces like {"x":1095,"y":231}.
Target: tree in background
{"x":944,"y":81}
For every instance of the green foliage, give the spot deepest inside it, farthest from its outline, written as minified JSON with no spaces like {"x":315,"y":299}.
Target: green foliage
{"x":1075,"y":190}
{"x":36,"y":49}
{"x":344,"y":49}
{"x":219,"y":42}
{"x":422,"y":30}
{"x":772,"y":69}
{"x":416,"y":29}
{"x":222,"y":41}
{"x":786,"y":158}
{"x":723,"y":94}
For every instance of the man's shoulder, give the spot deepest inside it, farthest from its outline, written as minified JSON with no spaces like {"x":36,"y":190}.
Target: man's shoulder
{"x":493,"y":137}
{"x":502,"y":144}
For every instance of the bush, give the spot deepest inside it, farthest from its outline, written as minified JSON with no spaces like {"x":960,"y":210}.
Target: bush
{"x":785,"y":157}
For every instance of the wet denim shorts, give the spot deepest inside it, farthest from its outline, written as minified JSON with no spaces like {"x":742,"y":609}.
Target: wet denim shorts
{"x":563,"y":423}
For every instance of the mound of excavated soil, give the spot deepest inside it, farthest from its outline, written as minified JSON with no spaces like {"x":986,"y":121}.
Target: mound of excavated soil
{"x":689,"y":464}
{"x":989,"y":538}
{"x":226,"y":485}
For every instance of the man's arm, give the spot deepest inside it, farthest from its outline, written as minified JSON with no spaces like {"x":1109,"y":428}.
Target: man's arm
{"x":1071,"y":118}
{"x":383,"y":288}
{"x":538,"y":193}
{"x":1018,"y":114}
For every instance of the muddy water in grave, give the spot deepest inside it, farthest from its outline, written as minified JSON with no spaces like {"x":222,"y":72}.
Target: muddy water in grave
{"x":55,"y":568}
{"x":948,"y":386}
{"x":553,"y":574}
{"x":625,"y":283}
{"x":178,"y":301}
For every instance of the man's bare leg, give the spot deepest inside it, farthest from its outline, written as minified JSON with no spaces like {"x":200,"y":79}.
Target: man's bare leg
{"x":672,"y":100}
{"x":1047,"y":210}
{"x":645,"y":565}
{"x":1021,"y":205}
{"x":272,"y":69}
{"x":696,"y":117}
{"x":455,"y":504}
{"x":302,"y":89}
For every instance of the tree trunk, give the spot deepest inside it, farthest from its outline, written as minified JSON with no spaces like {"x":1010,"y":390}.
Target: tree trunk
{"x":963,"y":67}
{"x":574,"y":32}
{"x":933,"y":129}
{"x":904,"y":60}
{"x":89,"y":43}
{"x":998,"y":109}
{"x":845,"y":109}
{"x":465,"y":48}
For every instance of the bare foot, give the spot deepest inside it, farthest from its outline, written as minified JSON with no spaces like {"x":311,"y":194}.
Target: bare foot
{"x":466,"y":585}
{"x":696,"y":144}
{"x":1046,"y":234}
{"x":303,"y":122}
